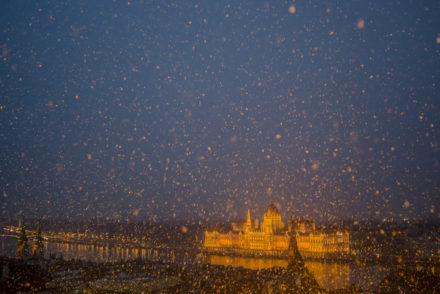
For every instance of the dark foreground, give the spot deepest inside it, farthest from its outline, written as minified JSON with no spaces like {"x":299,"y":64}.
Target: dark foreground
{"x":54,"y":275}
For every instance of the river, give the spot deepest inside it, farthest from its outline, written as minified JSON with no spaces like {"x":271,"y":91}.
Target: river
{"x":330,"y":275}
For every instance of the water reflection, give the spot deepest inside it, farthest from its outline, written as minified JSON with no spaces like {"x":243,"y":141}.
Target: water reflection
{"x":330,"y":275}
{"x":101,"y":253}
{"x":246,"y":262}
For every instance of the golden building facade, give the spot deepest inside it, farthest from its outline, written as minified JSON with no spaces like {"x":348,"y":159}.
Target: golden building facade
{"x":271,"y":238}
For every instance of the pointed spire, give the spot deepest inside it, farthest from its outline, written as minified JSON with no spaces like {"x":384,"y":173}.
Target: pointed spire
{"x":248,"y":221}
{"x":38,"y":248}
{"x":22,"y":246}
{"x":298,"y":278}
{"x":296,"y":261}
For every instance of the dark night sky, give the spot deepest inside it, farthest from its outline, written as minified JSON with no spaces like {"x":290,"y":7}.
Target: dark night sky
{"x":187,"y":109}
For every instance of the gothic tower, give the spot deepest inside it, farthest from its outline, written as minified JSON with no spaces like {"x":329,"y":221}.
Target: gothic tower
{"x":248,"y":227}
{"x":22,"y":247}
{"x":38,"y":247}
{"x":297,"y":266}
{"x":296,"y":261}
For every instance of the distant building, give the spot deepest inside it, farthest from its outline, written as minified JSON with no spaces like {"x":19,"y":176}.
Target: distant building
{"x":38,"y":246}
{"x":22,"y":246}
{"x":272,"y":237}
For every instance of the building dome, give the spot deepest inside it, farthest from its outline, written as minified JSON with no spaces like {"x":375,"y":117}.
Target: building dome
{"x":272,"y":211}
{"x":272,"y":220}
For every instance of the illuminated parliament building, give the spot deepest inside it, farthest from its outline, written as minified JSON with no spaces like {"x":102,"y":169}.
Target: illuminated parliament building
{"x":272,"y":238}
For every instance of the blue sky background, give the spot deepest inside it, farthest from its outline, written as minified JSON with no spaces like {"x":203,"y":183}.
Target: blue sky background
{"x":188,"y":109}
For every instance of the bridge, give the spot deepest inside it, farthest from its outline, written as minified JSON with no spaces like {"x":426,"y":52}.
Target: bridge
{"x":13,"y":236}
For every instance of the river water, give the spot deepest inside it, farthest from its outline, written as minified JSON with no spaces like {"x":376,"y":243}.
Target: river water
{"x":330,"y":275}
